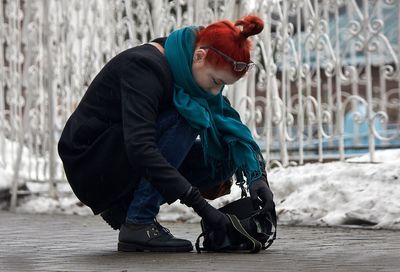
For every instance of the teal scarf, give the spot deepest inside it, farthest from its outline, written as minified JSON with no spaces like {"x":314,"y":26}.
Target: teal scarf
{"x":225,"y":139}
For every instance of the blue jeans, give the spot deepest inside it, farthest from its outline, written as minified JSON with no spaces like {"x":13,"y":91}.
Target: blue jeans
{"x":175,"y":139}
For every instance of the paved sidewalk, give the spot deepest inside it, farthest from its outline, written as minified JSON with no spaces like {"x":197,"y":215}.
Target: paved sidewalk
{"x":73,"y":243}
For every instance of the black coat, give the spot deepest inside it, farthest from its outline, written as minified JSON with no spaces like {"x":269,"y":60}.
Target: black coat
{"x":108,"y":143}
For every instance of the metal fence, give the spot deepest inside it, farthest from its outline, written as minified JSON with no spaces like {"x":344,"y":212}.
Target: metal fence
{"x":326,"y":84}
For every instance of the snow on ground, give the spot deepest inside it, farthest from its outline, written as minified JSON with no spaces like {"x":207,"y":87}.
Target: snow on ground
{"x":349,"y":193}
{"x":32,"y":167}
{"x":341,"y":193}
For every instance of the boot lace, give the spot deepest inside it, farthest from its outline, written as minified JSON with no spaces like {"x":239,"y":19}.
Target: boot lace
{"x":161,"y":227}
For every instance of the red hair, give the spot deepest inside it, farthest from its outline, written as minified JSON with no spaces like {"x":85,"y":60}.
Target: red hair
{"x":231,"y":39}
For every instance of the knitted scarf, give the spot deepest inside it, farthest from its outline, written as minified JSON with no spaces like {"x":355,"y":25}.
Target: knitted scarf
{"x":226,"y":141}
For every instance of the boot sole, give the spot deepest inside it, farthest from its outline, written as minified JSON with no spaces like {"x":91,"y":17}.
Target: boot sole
{"x":130,"y":247}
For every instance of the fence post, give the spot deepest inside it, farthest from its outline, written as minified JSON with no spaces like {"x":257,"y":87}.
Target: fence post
{"x":49,"y":86}
{"x":16,"y":86}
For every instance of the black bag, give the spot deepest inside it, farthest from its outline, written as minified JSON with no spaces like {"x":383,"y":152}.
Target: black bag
{"x":250,"y":229}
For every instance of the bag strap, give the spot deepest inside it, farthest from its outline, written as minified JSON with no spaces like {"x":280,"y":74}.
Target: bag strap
{"x":197,"y":244}
{"x":240,"y":182}
{"x":274,"y":223}
{"x":239,"y":228}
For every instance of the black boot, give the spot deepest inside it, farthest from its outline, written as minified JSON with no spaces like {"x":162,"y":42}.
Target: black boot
{"x":150,"y":237}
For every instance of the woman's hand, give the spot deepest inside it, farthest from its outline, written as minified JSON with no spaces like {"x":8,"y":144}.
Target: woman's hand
{"x":261,"y":194}
{"x":214,"y":218}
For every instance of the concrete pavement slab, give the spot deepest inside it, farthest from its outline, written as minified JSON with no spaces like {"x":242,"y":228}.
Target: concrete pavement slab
{"x":75,"y":243}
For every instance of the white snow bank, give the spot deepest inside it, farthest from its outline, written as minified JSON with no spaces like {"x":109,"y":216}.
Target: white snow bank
{"x":340,"y":193}
{"x":64,"y":205}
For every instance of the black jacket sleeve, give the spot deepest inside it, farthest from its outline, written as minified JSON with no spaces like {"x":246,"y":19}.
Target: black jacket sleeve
{"x":141,"y":93}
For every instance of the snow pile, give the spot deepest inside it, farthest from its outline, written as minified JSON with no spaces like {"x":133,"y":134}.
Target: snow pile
{"x":5,"y":178}
{"x":341,"y":193}
{"x":31,"y":165}
{"x":34,"y":167}
{"x":63,"y":205}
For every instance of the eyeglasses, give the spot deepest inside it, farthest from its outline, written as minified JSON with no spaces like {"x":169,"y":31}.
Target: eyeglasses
{"x":238,"y":66}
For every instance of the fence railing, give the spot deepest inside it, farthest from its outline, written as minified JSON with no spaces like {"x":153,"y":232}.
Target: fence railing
{"x":328,"y":79}
{"x":326,"y":83}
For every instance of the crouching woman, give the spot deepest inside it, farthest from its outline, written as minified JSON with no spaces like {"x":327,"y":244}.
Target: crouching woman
{"x":131,"y":146}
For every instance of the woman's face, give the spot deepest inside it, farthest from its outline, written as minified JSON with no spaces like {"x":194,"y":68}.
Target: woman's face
{"x":207,"y":77}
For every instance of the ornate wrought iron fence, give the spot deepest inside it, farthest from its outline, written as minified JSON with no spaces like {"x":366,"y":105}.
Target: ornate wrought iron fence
{"x":327,"y":81}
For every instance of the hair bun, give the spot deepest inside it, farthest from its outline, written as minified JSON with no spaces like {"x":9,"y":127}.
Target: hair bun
{"x":251,"y":25}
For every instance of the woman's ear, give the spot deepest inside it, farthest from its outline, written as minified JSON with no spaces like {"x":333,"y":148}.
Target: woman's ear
{"x":199,"y":55}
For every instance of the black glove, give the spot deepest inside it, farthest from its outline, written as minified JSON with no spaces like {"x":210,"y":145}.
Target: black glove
{"x":215,"y":219}
{"x":261,"y":195}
